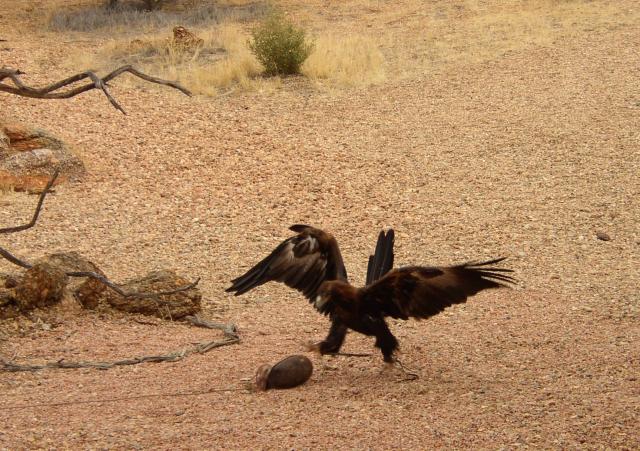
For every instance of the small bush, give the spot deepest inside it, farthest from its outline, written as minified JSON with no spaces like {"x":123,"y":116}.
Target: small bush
{"x":280,"y":46}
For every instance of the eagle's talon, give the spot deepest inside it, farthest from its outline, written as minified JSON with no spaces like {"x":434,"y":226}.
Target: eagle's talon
{"x":314,"y":347}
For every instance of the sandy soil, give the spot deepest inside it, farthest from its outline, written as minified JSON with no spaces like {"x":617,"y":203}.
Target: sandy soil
{"x":528,"y":154}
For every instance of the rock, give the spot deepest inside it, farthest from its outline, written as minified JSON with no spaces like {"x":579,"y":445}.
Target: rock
{"x":8,"y":304}
{"x":288,"y":373}
{"x":4,"y":144}
{"x":174,"y":306}
{"x":29,"y":156}
{"x":261,"y":378}
{"x":8,"y":280}
{"x":603,"y":236}
{"x":185,"y":40}
{"x":40,"y":286}
{"x":6,"y":297}
{"x":86,"y":290}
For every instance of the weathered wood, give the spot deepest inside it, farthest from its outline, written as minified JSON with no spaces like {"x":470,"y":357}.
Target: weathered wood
{"x":49,"y":92}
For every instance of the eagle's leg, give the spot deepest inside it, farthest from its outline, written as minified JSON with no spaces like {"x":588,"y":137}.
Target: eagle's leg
{"x":385,"y":340}
{"x":333,"y":342}
{"x":388,"y":344}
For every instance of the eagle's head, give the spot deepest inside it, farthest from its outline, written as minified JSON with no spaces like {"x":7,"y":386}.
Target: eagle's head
{"x":335,"y":296}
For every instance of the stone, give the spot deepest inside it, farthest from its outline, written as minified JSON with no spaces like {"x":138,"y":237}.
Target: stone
{"x":184,"y":39}
{"x":4,"y":144}
{"x":85,"y":290}
{"x":40,"y":286}
{"x":29,"y":156}
{"x":173,"y":306}
{"x":288,"y":373}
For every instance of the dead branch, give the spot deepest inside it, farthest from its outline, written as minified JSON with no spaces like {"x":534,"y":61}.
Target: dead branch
{"x":230,"y":337}
{"x":43,"y":194}
{"x":49,"y":92}
{"x":24,"y":264}
{"x":228,"y":329}
{"x":132,"y":294}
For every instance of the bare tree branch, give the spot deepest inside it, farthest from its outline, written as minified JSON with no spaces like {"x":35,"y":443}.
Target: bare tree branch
{"x":230,"y":337}
{"x":228,"y":329}
{"x":15,"y":260}
{"x":48,"y":92}
{"x":24,"y":264}
{"x":43,"y":194}
{"x":121,"y":292}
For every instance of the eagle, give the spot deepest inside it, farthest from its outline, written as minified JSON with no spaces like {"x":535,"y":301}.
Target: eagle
{"x":311,"y":263}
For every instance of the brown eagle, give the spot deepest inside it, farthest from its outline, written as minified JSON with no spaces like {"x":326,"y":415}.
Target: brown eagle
{"x":311,"y":263}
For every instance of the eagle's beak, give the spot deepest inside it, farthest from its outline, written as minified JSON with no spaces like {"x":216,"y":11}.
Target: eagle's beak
{"x":319,"y":302}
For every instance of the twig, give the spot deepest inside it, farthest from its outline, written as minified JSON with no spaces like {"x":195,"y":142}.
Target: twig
{"x":43,"y":194}
{"x":131,"y":294}
{"x":230,"y":337}
{"x":48,"y":92}
{"x":228,"y":329}
{"x":409,"y":375}
{"x":348,"y":354}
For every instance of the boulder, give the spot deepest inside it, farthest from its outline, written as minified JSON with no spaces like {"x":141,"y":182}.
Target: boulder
{"x":85,"y":290}
{"x":29,"y":156}
{"x":40,"y":286}
{"x":174,"y":306}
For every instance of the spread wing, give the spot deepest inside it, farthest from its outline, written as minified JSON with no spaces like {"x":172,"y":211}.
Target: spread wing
{"x":421,"y":292}
{"x":301,"y":262}
{"x":381,"y":262}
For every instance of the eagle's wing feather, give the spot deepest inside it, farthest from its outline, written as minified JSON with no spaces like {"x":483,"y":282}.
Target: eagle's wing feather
{"x":301,"y":262}
{"x":421,"y":292}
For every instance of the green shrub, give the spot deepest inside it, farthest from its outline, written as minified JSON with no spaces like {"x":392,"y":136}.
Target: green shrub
{"x":280,"y":46}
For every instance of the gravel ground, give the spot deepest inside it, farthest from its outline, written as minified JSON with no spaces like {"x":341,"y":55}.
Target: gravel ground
{"x":526,"y":155}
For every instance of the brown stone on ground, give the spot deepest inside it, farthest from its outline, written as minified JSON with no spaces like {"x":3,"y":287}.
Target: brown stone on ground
{"x":288,"y":373}
{"x":6,"y":296}
{"x":29,"y":156}
{"x":8,"y":280}
{"x":184,"y":39}
{"x":86,"y":290}
{"x":172,"y":306}
{"x":8,"y":307}
{"x":40,"y":286}
{"x":4,"y":143}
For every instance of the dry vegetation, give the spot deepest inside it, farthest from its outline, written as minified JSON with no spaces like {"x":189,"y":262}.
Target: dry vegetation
{"x":225,"y":61}
{"x":474,"y":128}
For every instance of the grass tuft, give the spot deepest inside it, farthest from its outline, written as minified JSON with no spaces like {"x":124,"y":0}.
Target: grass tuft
{"x":222,"y":62}
{"x":347,"y":61}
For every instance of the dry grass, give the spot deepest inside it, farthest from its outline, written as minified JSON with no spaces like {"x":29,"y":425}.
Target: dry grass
{"x":411,"y":38}
{"x":131,"y":18}
{"x":223,"y":63}
{"x":351,"y":60}
{"x":474,"y":31}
